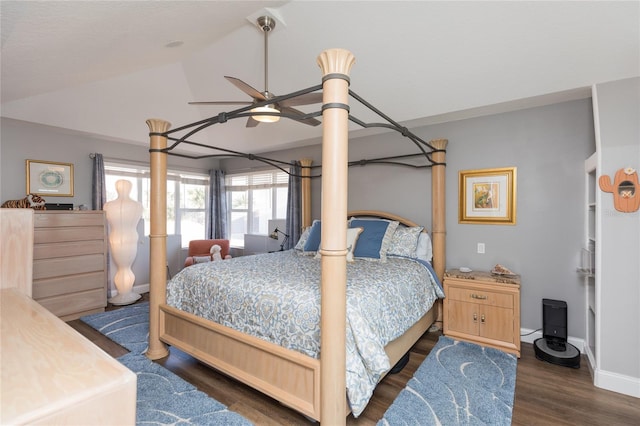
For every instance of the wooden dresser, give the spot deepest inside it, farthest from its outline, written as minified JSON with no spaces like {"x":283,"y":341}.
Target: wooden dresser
{"x":483,"y":308}
{"x":51,"y":375}
{"x":70,"y":262}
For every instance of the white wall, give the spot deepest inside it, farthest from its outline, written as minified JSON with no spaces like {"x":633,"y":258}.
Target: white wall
{"x":618,"y":239}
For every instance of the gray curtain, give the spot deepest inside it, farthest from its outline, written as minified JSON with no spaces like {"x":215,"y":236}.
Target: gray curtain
{"x":216,"y":217}
{"x":293,"y":223}
{"x":98,"y":189}
{"x":98,"y":200}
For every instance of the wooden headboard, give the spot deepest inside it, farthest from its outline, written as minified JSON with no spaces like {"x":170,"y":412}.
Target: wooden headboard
{"x":381,"y":215}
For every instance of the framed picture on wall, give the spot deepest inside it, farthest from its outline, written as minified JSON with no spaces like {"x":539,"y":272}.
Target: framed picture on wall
{"x":49,"y":179}
{"x":487,"y":196}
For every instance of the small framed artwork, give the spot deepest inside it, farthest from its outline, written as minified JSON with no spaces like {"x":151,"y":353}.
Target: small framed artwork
{"x":488,"y":196}
{"x":49,"y":178}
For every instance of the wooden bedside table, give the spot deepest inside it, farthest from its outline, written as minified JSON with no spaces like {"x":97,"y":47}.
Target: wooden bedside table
{"x":483,"y":308}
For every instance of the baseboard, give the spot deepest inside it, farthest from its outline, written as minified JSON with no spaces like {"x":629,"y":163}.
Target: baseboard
{"x":140,"y":289}
{"x":619,"y":383}
{"x":529,"y":336}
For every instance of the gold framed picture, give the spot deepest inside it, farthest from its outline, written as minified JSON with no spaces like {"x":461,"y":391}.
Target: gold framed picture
{"x":49,"y":178}
{"x":487,"y":196}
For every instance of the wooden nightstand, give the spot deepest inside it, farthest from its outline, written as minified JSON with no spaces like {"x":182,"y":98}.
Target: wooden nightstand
{"x":483,"y":308}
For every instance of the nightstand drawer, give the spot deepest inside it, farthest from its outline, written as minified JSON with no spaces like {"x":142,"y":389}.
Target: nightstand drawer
{"x":482,"y":297}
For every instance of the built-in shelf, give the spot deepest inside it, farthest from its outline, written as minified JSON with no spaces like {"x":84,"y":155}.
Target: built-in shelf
{"x":588,"y":259}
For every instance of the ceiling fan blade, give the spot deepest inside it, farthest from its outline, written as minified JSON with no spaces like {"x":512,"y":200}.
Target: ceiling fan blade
{"x":221,"y":103}
{"x":252,"y":122}
{"x":306,"y":99}
{"x":246,"y":88}
{"x":294,"y":112}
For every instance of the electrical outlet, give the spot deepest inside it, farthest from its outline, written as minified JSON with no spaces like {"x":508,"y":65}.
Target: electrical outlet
{"x":481,"y":248}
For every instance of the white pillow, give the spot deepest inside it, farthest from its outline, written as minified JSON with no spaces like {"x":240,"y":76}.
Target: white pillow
{"x":352,"y":240}
{"x":424,"y":250}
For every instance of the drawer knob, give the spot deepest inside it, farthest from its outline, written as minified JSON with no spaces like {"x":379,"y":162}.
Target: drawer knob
{"x":478,"y":296}
{"x":482,"y":319}
{"x":475,"y":317}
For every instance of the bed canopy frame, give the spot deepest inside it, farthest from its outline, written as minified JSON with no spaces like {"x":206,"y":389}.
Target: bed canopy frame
{"x":323,"y":380}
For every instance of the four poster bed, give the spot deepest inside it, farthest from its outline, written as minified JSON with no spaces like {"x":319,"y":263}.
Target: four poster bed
{"x":299,"y":377}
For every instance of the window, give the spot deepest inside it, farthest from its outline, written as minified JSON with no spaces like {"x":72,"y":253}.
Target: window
{"x":187,"y":195}
{"x":253,"y":199}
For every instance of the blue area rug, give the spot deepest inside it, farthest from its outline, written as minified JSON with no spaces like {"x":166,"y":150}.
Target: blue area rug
{"x":459,"y":383}
{"x":163,"y":397}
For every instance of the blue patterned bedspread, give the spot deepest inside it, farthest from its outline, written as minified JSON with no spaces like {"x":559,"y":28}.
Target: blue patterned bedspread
{"x":276,"y":297}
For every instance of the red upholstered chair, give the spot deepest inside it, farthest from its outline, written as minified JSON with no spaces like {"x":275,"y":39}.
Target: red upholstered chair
{"x":200,"y":248}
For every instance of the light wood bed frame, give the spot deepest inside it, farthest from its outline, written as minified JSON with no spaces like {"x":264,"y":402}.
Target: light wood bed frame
{"x":314,"y":387}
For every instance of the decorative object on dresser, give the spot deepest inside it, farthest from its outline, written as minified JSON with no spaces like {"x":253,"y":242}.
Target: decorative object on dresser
{"x":483,"y":308}
{"x":69,"y":262}
{"x":123,"y":215}
{"x":31,"y":201}
{"x":49,"y":178}
{"x":60,"y":206}
{"x":488,"y":196}
{"x":625,"y":189}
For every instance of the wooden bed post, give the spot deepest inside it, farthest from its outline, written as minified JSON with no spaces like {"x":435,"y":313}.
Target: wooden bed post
{"x":438,"y":207}
{"x":157,"y":236}
{"x":438,"y":213}
{"x":335,"y":65}
{"x":306,"y":192}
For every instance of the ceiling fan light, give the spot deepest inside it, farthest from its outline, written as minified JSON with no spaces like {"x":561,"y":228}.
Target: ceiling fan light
{"x":265,"y":118}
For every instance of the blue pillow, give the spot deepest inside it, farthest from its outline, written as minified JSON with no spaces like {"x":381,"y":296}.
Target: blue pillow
{"x":313,"y":242}
{"x":375,"y":239}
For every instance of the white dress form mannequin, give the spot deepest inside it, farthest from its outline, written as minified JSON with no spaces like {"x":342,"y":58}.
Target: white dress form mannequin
{"x":123,"y":215}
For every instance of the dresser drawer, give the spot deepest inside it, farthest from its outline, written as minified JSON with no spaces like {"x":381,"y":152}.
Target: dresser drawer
{"x":65,"y":219}
{"x":58,"y":235}
{"x":68,"y":284}
{"x":68,"y":249}
{"x":50,"y":268}
{"x":480,"y":296}
{"x":77,"y":302}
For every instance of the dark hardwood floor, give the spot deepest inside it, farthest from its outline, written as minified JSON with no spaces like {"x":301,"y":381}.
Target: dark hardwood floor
{"x":546,"y":394}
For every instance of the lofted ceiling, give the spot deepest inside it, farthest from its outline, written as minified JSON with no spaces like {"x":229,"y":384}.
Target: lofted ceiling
{"x":104,"y":67}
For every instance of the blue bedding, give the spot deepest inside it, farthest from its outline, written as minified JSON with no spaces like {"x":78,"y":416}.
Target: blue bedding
{"x":276,"y":297}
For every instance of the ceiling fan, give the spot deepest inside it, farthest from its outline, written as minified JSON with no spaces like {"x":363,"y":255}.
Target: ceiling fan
{"x":266,"y":24}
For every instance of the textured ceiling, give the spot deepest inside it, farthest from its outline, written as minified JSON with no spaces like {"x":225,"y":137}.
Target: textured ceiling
{"x":102,"y":67}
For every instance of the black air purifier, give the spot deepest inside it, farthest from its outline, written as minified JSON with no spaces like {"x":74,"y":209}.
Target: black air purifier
{"x":553,"y":346}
